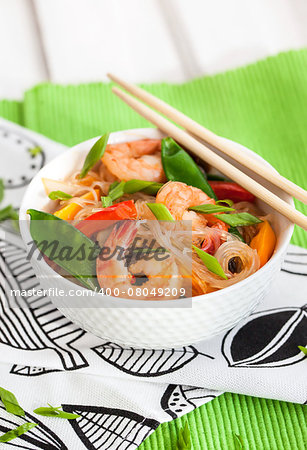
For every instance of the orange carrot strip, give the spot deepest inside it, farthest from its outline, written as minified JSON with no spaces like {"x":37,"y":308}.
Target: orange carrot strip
{"x":68,"y":212}
{"x":264,"y":242}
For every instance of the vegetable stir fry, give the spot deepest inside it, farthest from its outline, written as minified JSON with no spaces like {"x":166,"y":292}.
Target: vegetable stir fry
{"x":157,"y":180}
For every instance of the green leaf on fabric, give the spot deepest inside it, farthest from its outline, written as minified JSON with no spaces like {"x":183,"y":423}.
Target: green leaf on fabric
{"x":13,"y":434}
{"x":35,"y":151}
{"x":51,"y":411}
{"x":184,"y":439}
{"x":238,"y":441}
{"x":10,"y":402}
{"x":303,"y":349}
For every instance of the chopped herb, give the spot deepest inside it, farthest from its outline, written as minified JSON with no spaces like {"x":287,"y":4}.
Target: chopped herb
{"x":59,"y":195}
{"x":303,"y":349}
{"x":243,"y":219}
{"x":236,"y":232}
{"x":148,"y":187}
{"x":106,"y":201}
{"x":94,"y":155}
{"x":13,"y":434}
{"x":51,"y":411}
{"x":116,"y":190}
{"x":210,"y":209}
{"x":8,"y":213}
{"x":184,"y":439}
{"x":160,"y":211}
{"x":227,"y":201}
{"x":238,"y":441}
{"x":10,"y":403}
{"x":210,"y":262}
{"x":1,"y":190}
{"x":35,"y":151}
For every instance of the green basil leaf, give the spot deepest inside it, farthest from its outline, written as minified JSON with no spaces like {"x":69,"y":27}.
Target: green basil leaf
{"x":160,"y":211}
{"x":94,"y":155}
{"x":184,"y":439}
{"x":210,"y":262}
{"x":210,"y":209}
{"x":35,"y":151}
{"x":116,"y":190}
{"x":236,"y":232}
{"x":148,"y":187}
{"x":106,"y":201}
{"x":303,"y":349}
{"x":179,"y":166}
{"x":10,"y":402}
{"x":59,"y":195}
{"x":238,"y":441}
{"x":52,"y":411}
{"x":13,"y":434}
{"x":65,"y":245}
{"x":8,"y":213}
{"x":243,"y":219}
{"x":1,"y":190}
{"x":222,"y":202}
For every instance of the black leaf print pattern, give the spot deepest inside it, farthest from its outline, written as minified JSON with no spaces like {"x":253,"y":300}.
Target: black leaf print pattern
{"x":146,"y":363}
{"x":178,"y":400}
{"x":295,"y":263}
{"x":29,"y":371}
{"x":40,"y":437}
{"x":267,"y":339}
{"x":108,"y":428}
{"x":19,"y":146}
{"x":32,"y":323}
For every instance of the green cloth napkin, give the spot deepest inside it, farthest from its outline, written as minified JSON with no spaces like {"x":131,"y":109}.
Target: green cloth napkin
{"x":262,"y":106}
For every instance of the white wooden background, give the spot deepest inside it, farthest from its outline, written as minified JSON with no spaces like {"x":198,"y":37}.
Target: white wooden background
{"x":71,"y":41}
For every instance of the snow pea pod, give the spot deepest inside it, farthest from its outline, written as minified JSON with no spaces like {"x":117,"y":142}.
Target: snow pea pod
{"x":65,"y":245}
{"x":179,"y":166}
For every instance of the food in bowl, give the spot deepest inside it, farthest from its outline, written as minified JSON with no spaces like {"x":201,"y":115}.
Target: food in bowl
{"x":121,"y":185}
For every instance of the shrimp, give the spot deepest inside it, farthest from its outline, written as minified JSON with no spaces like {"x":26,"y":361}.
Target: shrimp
{"x":179,"y":197}
{"x":141,"y":279}
{"x":137,"y":159}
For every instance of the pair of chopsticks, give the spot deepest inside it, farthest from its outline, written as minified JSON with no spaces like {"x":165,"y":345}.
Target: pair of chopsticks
{"x":201,"y":150}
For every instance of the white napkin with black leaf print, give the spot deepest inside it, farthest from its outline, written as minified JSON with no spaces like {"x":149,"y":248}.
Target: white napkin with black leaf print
{"x":123,"y":394}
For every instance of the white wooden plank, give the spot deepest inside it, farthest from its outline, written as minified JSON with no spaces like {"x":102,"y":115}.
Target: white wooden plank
{"x":21,"y":61}
{"x":224,"y":34}
{"x":84,"y":39}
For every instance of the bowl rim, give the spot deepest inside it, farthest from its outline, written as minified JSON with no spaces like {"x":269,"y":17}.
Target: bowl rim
{"x":150,"y":133}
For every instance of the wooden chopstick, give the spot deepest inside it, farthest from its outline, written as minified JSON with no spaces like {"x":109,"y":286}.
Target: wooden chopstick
{"x":213,"y":159}
{"x":229,"y":148}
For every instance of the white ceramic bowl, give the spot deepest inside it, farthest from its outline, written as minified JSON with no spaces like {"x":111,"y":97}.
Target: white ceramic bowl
{"x":142,"y":324}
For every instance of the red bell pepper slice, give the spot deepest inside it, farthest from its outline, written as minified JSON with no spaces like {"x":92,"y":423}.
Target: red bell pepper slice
{"x":120,"y":211}
{"x":224,"y":190}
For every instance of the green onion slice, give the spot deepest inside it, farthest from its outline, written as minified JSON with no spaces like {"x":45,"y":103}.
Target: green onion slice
{"x":210,"y":262}
{"x":210,"y":209}
{"x":243,"y":219}
{"x":148,"y":187}
{"x":59,"y":195}
{"x":160,"y":211}
{"x":94,"y":155}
